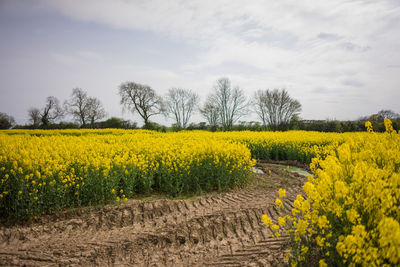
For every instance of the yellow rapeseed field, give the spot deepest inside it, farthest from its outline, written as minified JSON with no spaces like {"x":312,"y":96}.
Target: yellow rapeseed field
{"x":45,"y":171}
{"x":350,"y":212}
{"x":50,"y":172}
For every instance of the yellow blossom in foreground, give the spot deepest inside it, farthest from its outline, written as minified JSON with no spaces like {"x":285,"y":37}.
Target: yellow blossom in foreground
{"x":267,"y":220}
{"x":322,"y":263}
{"x":350,"y":212}
{"x":279,"y":203}
{"x":282,"y":192}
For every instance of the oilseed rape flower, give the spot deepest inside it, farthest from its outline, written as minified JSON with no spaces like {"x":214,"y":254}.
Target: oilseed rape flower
{"x":322,"y":263}
{"x":282,"y":193}
{"x":267,"y":220}
{"x":279,"y":203}
{"x":282,"y":221}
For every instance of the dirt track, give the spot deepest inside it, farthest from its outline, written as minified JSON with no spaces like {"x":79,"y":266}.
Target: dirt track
{"x":216,"y":230}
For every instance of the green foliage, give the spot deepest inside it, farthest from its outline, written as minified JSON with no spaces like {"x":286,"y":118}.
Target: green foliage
{"x":154,"y":126}
{"x":6,"y":121}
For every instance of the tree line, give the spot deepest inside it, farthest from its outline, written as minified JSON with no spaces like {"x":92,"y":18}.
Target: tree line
{"x":222,"y":109}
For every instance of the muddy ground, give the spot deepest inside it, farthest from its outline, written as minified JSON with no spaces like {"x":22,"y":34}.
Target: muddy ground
{"x":218,"y":229}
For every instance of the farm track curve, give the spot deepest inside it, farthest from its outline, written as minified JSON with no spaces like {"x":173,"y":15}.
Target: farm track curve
{"x":223,"y":229}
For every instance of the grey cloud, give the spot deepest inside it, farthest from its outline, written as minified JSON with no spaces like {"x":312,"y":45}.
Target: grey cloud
{"x":321,"y":90}
{"x":336,"y":92}
{"x":328,"y":36}
{"x":394,"y":66}
{"x":349,"y":46}
{"x":353,"y":83}
{"x":268,"y":35}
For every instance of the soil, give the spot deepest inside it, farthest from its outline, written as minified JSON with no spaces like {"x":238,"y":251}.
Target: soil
{"x":217,"y":229}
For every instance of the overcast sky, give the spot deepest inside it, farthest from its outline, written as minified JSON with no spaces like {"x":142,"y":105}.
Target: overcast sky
{"x":340,"y":59}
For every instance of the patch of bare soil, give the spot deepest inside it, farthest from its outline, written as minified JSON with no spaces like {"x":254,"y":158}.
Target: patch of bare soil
{"x":294,"y":163}
{"x":223,"y":229}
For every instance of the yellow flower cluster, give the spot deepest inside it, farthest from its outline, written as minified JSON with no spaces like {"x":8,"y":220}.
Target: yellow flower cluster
{"x":351,"y":212}
{"x":56,"y":170}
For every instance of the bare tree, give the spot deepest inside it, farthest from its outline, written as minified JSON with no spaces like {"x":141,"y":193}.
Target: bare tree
{"x":231,"y":103}
{"x":52,"y":111}
{"x":83,"y":108}
{"x":6,"y":121}
{"x":181,"y":103}
{"x":388,"y":114}
{"x":211,"y":112}
{"x":376,"y":118}
{"x":142,"y":99}
{"x":77,"y":105}
{"x":260,"y":106}
{"x":95,"y":110}
{"x":34,"y":117}
{"x":275,"y":108}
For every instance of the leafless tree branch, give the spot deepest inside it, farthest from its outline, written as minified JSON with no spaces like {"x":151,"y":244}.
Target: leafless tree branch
{"x":275,"y":107}
{"x":141,"y":99}
{"x":181,"y":104}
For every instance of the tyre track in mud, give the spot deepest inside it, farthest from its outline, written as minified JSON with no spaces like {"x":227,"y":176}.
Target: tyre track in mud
{"x":222,"y":229}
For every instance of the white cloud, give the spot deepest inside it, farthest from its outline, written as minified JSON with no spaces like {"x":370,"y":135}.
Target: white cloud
{"x":209,"y":18}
